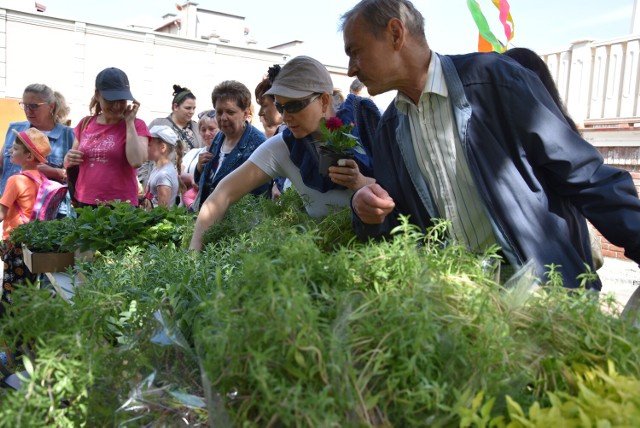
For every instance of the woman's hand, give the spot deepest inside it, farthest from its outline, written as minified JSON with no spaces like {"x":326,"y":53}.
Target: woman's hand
{"x":56,"y":174}
{"x":187,"y":180}
{"x":73,"y":157}
{"x":203,"y":158}
{"x":136,"y":146}
{"x":275,"y":192}
{"x":348,"y":174}
{"x":131,"y":111}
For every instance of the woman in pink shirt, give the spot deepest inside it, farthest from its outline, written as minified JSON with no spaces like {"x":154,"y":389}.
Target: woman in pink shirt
{"x":110,"y":144}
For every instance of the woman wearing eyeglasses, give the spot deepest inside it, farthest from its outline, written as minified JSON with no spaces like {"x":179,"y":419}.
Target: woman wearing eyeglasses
{"x":303,"y":93}
{"x":46,"y":110}
{"x":234,"y":143}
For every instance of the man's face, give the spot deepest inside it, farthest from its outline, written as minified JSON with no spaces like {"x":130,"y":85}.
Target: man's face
{"x":368,"y":56}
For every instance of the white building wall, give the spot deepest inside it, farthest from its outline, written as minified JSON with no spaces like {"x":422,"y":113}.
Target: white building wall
{"x":67,"y":55}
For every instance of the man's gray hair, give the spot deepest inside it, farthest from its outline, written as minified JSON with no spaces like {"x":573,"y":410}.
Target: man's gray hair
{"x":377,"y":13}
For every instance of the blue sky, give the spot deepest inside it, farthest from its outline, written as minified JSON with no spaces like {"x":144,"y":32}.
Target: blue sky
{"x":542,"y":25}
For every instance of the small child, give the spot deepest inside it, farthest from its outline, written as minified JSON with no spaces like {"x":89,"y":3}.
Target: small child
{"x":29,"y":150}
{"x":163,"y":185}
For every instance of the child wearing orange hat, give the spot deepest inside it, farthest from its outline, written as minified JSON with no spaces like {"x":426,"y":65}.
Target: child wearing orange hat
{"x":29,"y":150}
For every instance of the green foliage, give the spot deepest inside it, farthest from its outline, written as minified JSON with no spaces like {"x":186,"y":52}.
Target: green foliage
{"x":598,"y":397}
{"x":93,"y":357}
{"x":116,"y":227}
{"x":45,"y":236}
{"x":245,"y":214}
{"x":108,"y":229}
{"x":284,"y":320}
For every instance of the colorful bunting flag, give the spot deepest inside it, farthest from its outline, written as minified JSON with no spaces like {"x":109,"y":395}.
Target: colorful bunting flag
{"x":487,"y":41}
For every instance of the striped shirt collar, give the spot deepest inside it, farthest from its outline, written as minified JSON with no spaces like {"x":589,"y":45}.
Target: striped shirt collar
{"x":435,"y":83}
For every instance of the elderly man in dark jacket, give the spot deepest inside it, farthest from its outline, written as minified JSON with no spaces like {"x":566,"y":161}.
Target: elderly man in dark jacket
{"x":477,"y":139}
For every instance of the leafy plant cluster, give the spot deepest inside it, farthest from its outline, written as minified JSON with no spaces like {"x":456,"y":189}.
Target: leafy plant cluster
{"x":45,"y":236}
{"x":288,"y":321}
{"x":107,"y":228}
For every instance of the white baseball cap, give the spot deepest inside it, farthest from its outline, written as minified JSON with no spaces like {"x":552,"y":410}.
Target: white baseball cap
{"x":165,"y":133}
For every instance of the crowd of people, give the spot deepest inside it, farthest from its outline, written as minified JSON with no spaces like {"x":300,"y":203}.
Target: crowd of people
{"x":476,"y":139}
{"x":113,"y":155}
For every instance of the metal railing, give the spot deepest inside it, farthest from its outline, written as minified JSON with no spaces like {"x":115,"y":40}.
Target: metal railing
{"x":598,"y":81}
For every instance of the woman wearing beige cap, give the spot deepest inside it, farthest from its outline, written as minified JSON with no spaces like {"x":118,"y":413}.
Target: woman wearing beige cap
{"x":303,"y":93}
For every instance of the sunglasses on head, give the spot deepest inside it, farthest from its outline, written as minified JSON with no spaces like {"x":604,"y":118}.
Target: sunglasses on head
{"x":208,"y":113}
{"x":295,"y":106}
{"x":32,"y":107}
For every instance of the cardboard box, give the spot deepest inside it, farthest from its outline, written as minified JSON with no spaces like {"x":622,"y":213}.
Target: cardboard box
{"x":46,"y":262}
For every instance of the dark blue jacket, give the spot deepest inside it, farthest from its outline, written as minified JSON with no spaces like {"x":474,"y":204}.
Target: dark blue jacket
{"x":537,"y":178}
{"x":250,"y":140}
{"x":364,"y":114}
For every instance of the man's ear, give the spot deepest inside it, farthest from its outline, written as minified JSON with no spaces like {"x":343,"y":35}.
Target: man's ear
{"x":396,"y":31}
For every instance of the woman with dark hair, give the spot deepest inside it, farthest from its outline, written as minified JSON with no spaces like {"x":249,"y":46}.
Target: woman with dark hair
{"x":183,"y":107}
{"x":234,"y":143}
{"x":532,"y":61}
{"x":272,"y":120}
{"x":268,"y":113}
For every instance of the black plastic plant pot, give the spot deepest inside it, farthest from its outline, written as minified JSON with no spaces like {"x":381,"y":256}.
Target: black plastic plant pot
{"x":328,"y":158}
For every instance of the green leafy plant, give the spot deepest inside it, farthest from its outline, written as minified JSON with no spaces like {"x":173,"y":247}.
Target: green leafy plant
{"x":337,"y":137}
{"x":598,"y":397}
{"x":284,"y":320}
{"x":122,"y":225}
{"x":45,"y":236}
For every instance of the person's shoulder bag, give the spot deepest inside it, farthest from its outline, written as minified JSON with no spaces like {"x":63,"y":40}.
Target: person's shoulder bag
{"x":74,"y":171}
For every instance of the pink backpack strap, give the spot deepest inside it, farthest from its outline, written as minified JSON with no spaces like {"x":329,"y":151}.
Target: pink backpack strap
{"x":39,"y":179}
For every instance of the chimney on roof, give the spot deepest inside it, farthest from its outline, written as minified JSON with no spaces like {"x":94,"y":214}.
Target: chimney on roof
{"x":40,"y":7}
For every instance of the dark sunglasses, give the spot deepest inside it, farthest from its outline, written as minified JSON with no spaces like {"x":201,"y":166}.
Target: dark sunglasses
{"x":208,"y":113}
{"x":32,"y":107}
{"x":295,"y":106}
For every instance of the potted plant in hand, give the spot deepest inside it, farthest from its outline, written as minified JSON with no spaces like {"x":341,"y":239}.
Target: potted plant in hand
{"x":336,"y":143}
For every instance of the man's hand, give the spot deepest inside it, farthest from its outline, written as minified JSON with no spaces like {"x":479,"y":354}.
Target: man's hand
{"x":372,"y":204}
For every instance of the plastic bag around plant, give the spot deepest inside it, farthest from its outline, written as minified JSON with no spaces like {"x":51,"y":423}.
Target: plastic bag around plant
{"x":631,"y":310}
{"x":158,"y":398}
{"x":168,"y":334}
{"x":523,"y":283}
{"x":173,"y":407}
